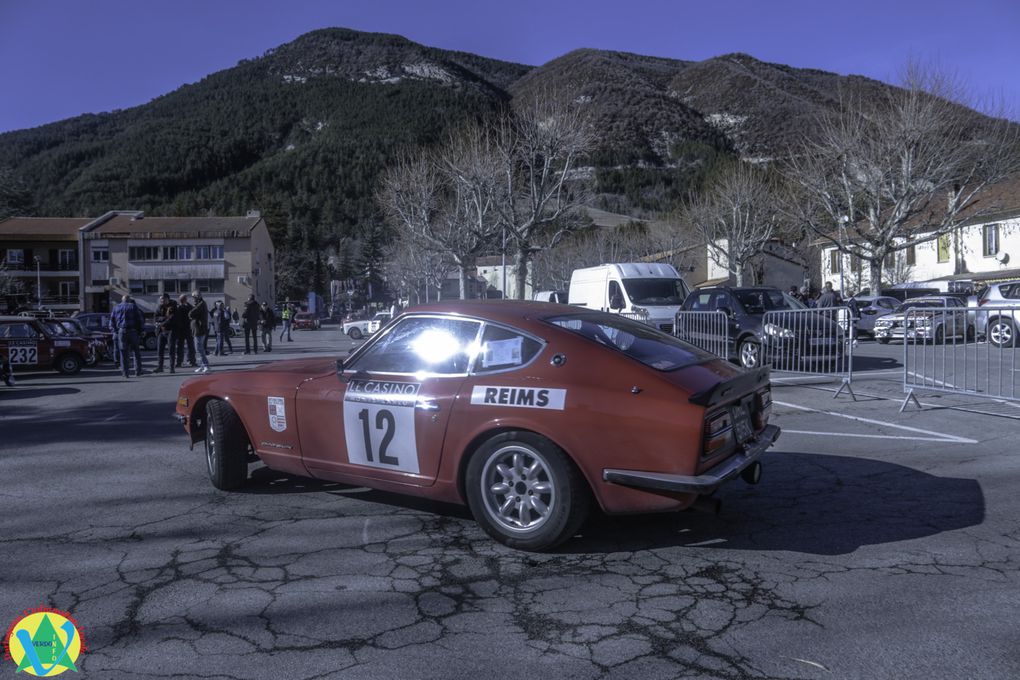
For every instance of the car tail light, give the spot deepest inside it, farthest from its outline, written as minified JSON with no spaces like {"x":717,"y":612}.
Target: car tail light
{"x":718,"y":432}
{"x":983,"y":301}
{"x":764,"y":410}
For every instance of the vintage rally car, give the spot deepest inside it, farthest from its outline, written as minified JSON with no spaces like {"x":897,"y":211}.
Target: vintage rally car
{"x":26,"y":343}
{"x":362,"y":327}
{"x":527,"y":412}
{"x":306,"y":321}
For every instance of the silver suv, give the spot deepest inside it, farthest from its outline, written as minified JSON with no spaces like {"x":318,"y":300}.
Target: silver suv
{"x":1000,"y":321}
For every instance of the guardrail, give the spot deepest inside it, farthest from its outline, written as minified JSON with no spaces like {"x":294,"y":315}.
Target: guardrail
{"x":709,"y":331}
{"x":811,"y":342}
{"x":960,"y":351}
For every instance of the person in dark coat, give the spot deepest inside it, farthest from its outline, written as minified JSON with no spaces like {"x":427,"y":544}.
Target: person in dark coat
{"x":250,"y":321}
{"x":829,"y":297}
{"x":187,"y":338}
{"x":199,"y":316}
{"x":220,"y":326}
{"x":268,"y":319}
{"x":181,"y":328}
{"x":127,"y":323}
{"x":165,"y":327}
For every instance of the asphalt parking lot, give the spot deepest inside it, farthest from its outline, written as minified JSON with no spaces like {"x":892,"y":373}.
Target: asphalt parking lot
{"x":878,"y":545}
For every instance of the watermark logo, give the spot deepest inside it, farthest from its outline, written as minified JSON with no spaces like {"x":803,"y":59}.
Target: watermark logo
{"x":44,"y":642}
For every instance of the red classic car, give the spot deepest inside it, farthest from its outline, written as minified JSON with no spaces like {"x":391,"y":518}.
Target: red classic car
{"x":306,"y":321}
{"x":527,"y":412}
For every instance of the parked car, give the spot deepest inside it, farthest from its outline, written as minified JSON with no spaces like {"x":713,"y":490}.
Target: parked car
{"x":495,"y":405}
{"x":871,"y":309}
{"x":360,"y":328}
{"x":101,"y":341}
{"x":745,"y":309}
{"x":902,"y":294}
{"x":100,"y":321}
{"x":1002,"y":326}
{"x":947,"y":318}
{"x":26,"y":342}
{"x":306,"y":321}
{"x":58,"y":329}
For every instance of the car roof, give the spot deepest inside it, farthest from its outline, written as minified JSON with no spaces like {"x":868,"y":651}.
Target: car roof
{"x":19,"y":318}
{"x":505,"y":311}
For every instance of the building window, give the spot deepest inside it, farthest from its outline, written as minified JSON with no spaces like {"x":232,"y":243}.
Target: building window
{"x":911,"y":256}
{"x":178,"y":253}
{"x":833,"y":261}
{"x":100,"y":254}
{"x":68,"y":289}
{"x":208,"y":252}
{"x":890,"y":261}
{"x":176,"y":285}
{"x":136,"y":286}
{"x":209,"y":285}
{"x":943,"y":248}
{"x":991,"y":239}
{"x":15,"y":256}
{"x":67,"y":259}
{"x":152,"y":287}
{"x":143,"y":253}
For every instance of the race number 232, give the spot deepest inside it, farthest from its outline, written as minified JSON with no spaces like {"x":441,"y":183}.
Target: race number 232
{"x":23,"y":355}
{"x":381,"y":436}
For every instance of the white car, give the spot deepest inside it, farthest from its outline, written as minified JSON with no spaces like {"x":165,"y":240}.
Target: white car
{"x":356,"y":330}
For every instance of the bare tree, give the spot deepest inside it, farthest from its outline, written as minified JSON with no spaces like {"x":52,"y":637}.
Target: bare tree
{"x":736,"y":216}
{"x":539,"y":149}
{"x":446,"y":200}
{"x":413,"y":269}
{"x":892,"y":172}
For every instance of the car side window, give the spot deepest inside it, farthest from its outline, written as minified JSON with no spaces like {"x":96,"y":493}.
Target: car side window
{"x":615,"y":293}
{"x":504,"y":348}
{"x":418,"y":344}
{"x":18,"y":330}
{"x":1010,"y":291}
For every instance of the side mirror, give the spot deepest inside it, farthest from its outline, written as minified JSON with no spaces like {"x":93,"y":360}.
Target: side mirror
{"x":616,"y":302}
{"x":340,"y":368}
{"x":727,"y":311}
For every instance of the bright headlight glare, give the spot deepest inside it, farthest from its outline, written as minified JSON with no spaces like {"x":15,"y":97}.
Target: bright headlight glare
{"x":778,"y":331}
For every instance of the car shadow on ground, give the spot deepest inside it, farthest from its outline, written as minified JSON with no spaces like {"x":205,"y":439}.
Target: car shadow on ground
{"x":806,"y":502}
{"x":14,"y":393}
{"x":863,"y":364}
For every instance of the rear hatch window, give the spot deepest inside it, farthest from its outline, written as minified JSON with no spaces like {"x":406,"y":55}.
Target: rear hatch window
{"x":640,"y":342}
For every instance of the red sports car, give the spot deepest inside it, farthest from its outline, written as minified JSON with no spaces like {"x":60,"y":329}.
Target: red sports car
{"x":527,"y":412}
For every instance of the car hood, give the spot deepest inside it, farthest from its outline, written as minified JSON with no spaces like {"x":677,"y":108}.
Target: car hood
{"x":305,"y":367}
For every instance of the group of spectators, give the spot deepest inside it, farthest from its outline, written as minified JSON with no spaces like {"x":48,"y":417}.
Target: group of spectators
{"x":183,"y":328}
{"x":827,"y":297}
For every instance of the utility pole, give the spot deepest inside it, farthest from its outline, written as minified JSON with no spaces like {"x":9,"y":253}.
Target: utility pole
{"x":38,"y":283}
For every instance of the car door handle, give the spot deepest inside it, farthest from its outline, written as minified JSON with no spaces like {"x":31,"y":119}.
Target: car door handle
{"x":426,"y":405}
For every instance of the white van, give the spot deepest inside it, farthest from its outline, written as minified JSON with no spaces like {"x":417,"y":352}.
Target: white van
{"x":649,"y":292}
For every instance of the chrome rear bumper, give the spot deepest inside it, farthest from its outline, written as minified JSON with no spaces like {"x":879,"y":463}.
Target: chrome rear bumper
{"x":700,"y":484}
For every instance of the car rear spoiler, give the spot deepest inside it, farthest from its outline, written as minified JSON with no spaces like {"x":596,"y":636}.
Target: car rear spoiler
{"x":727,"y":389}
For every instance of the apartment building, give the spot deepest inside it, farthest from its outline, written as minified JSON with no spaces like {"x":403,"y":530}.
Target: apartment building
{"x":40,"y":255}
{"x":226,"y":258}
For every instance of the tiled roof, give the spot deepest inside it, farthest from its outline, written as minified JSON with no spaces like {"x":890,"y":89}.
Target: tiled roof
{"x":43,"y":228}
{"x":168,"y":227}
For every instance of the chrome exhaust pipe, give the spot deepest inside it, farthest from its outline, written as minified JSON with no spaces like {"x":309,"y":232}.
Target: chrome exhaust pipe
{"x":707,"y":504}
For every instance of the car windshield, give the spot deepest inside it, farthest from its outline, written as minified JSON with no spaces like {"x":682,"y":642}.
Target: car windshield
{"x":920,"y":302}
{"x":638,"y":341}
{"x":55,"y":328}
{"x":759,"y":300}
{"x":655,"y":291}
{"x":382,"y":316}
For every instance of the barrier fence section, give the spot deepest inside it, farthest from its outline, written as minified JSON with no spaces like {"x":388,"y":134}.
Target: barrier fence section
{"x":709,"y":331}
{"x":810,"y":341}
{"x":960,"y":350}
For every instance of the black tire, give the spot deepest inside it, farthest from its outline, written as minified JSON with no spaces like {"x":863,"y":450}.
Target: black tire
{"x":971,"y":334}
{"x":150,"y":342}
{"x":557,"y":486}
{"x":1001,"y":332}
{"x":354,"y":334}
{"x":883,"y":341}
{"x":69,"y":364}
{"x":226,"y":446}
{"x":940,"y":335}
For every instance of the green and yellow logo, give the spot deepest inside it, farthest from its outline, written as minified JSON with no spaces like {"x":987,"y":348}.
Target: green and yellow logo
{"x":44,"y":642}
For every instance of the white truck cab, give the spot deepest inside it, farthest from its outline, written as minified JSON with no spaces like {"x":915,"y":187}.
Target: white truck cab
{"x":647,"y":291}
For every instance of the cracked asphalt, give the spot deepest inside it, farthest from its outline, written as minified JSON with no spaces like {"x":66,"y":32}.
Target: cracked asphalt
{"x":877,"y":546}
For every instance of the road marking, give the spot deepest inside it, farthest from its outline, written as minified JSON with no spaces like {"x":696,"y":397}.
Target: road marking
{"x":711,"y":541}
{"x":867,"y":436}
{"x":942,"y":437}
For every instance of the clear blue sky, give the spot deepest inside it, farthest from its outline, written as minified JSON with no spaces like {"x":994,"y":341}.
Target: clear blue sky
{"x":62,"y":58}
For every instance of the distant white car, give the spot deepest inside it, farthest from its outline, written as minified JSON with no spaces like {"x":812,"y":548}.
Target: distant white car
{"x":356,"y":330}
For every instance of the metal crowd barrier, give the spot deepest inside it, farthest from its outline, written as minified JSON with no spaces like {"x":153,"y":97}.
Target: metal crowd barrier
{"x":811,"y":342}
{"x":709,"y":331}
{"x":960,"y":351}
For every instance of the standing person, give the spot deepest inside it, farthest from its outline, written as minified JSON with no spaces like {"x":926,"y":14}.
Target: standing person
{"x":828,"y":298}
{"x":268,"y":326}
{"x":287,"y":314}
{"x":127,"y":323}
{"x":227,"y":316}
{"x":250,"y":317}
{"x":199,"y":316}
{"x":219,"y":314}
{"x":164,"y":321}
{"x":180,"y":329}
{"x":188,"y":338}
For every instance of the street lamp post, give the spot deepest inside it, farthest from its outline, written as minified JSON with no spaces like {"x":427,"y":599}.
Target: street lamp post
{"x":38,"y":283}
